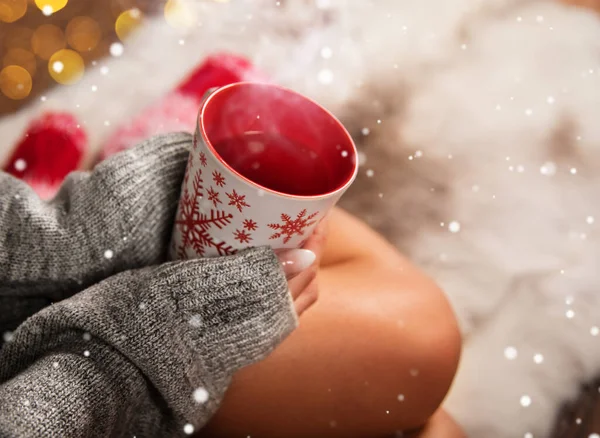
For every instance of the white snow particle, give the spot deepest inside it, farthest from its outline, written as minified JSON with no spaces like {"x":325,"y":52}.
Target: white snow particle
{"x":7,"y":336}
{"x":528,"y":112}
{"x":200,"y":395}
{"x":26,"y":403}
{"x":548,"y":168}
{"x":58,"y":66}
{"x":519,"y":19}
{"x":594,"y":435}
{"x":104,"y":70}
{"x":510,"y":353}
{"x":370,"y":173}
{"x":539,"y":19}
{"x":188,"y":429}
{"x":528,"y":435}
{"x":106,"y":123}
{"x":142,"y":306}
{"x":325,"y":76}
{"x":55,"y":365}
{"x":400,"y":397}
{"x":20,"y":165}
{"x":498,"y":107}
{"x":379,"y":121}
{"x":108,"y":254}
{"x":414,"y":372}
{"x":116,"y":49}
{"x":94,"y":88}
{"x":47,"y":10}
{"x":326,"y":52}
{"x":594,"y":331}
{"x":344,"y":154}
{"x":573,"y":171}
{"x":181,"y":42}
{"x":538,"y":358}
{"x":525,"y":401}
{"x":43,"y":98}
{"x":87,"y":336}
{"x":577,"y":420}
{"x":550,"y":100}
{"x":365,"y":131}
{"x":86,"y":353}
{"x":418,"y":154}
{"x":195,"y":321}
{"x":463,"y":47}
{"x":454,"y":227}
{"x":17,"y":197}
{"x":570,"y":313}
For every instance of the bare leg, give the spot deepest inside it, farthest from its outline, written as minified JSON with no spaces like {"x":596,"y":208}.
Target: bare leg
{"x":374,"y":356}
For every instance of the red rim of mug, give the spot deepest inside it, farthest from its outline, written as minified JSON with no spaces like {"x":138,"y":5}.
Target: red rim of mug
{"x":202,"y":130}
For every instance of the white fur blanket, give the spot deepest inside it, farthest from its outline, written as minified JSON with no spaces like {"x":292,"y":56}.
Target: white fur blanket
{"x":489,"y":124}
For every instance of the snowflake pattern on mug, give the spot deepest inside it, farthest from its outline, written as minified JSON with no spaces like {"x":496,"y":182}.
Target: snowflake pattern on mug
{"x":203,"y":162}
{"x":289,"y":227}
{"x":213,"y":196}
{"x":237,"y":200}
{"x":218,"y":178}
{"x":242,"y":236}
{"x":250,"y":225}
{"x":195,"y":226}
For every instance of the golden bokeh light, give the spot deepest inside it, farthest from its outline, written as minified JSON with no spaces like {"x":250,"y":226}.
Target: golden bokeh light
{"x":83,"y":34}
{"x":12,"y":10}
{"x":49,"y":7}
{"x":15,"y":82}
{"x":179,"y":15}
{"x":22,"y":58}
{"x":46,"y":40}
{"x":17,"y":37}
{"x":127,"y":22}
{"x":66,"y":67}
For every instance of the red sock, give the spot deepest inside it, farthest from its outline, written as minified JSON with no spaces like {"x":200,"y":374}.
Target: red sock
{"x":52,"y":146}
{"x":178,"y":110}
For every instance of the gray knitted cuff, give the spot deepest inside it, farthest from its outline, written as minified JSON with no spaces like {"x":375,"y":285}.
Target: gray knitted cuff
{"x":145,"y":181}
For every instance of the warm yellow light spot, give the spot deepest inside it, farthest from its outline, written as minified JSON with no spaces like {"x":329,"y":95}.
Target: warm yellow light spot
{"x":127,"y":22}
{"x":12,"y":10}
{"x":46,"y":40}
{"x":16,"y":36}
{"x":179,"y":15}
{"x":66,"y":67}
{"x":49,"y":7}
{"x":15,"y":82}
{"x":22,"y":58}
{"x":83,"y":34}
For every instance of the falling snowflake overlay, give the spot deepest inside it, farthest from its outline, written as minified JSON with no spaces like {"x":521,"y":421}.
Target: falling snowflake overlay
{"x":238,"y":201}
{"x":195,"y":226}
{"x":289,"y":227}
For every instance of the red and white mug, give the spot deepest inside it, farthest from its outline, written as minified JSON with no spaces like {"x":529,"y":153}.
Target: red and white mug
{"x":266,"y":167}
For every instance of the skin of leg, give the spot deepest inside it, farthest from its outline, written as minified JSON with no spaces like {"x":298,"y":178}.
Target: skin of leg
{"x":441,"y":425}
{"x":375,"y":355}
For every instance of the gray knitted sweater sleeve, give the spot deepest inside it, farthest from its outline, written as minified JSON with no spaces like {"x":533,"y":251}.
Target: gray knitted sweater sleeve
{"x":146,"y":349}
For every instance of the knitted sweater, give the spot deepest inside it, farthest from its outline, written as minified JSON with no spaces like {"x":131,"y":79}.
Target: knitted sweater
{"x":109,"y":340}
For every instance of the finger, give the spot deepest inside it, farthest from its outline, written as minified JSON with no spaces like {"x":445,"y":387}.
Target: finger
{"x":316,"y":242}
{"x":295,"y":261}
{"x":308,"y":297}
{"x":302,"y":281}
